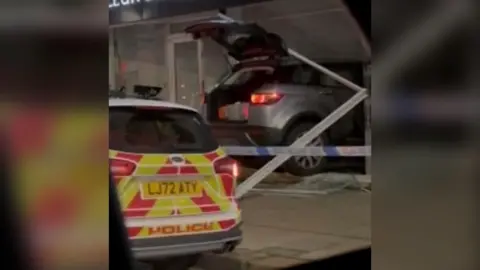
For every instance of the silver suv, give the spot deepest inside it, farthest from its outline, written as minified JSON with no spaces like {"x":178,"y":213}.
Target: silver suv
{"x":270,"y":99}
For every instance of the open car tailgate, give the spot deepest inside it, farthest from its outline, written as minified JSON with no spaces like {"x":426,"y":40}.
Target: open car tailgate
{"x":242,"y":41}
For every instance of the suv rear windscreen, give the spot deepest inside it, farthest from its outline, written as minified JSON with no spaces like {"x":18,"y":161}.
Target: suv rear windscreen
{"x":142,"y":130}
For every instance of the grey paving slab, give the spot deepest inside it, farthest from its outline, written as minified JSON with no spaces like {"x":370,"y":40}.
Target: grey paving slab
{"x":283,"y":231}
{"x":275,"y":262}
{"x":261,"y":237}
{"x":346,"y":214}
{"x":283,"y":252}
{"x":335,"y":249}
{"x":308,"y":243}
{"x":247,"y":254}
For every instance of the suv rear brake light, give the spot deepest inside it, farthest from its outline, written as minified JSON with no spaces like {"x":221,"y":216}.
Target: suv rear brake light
{"x":122,"y":167}
{"x":265,"y":98}
{"x":227,"y":166}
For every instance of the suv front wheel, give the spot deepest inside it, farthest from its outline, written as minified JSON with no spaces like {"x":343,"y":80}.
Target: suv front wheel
{"x":305,"y":165}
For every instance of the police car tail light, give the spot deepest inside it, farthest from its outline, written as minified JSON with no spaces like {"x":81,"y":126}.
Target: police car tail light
{"x":122,"y":167}
{"x":227,"y":166}
{"x":235,"y":170}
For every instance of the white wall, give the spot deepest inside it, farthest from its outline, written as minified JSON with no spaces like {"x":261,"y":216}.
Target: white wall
{"x":142,"y":49}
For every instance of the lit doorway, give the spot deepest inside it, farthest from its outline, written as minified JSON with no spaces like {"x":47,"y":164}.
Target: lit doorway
{"x":185,"y":70}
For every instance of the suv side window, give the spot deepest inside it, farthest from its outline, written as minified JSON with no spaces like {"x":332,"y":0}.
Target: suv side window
{"x":299,"y":74}
{"x":329,"y":82}
{"x":304,"y":74}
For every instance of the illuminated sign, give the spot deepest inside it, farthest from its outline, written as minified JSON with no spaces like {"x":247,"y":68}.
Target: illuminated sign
{"x":181,"y":229}
{"x":123,"y":3}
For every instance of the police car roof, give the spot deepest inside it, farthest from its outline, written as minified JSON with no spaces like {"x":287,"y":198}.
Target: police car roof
{"x":124,"y":102}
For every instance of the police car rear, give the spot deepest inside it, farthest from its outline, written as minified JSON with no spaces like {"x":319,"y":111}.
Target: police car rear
{"x":176,"y":185}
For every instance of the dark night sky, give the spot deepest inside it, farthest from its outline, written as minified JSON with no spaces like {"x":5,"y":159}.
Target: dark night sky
{"x":167,"y":8}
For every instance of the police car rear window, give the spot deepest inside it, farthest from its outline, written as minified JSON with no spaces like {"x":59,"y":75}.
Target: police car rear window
{"x":152,"y":130}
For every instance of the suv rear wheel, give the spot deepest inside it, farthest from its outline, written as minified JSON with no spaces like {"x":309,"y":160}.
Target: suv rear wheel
{"x":305,"y":165}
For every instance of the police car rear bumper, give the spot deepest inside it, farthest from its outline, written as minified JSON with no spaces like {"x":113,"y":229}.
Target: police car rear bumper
{"x":162,"y":247}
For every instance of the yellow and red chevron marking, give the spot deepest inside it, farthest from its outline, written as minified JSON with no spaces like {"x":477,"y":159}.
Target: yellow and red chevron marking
{"x":130,"y":196}
{"x":217,"y":195}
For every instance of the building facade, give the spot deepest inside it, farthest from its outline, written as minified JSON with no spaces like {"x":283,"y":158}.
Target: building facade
{"x":148,"y":45}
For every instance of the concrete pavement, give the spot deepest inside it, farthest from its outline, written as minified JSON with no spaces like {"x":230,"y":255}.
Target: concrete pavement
{"x":280,"y":231}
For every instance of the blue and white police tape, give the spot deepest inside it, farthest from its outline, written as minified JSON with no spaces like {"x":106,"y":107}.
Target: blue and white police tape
{"x":328,"y":151}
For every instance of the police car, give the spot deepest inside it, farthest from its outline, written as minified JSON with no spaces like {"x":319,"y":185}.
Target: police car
{"x":175,"y":183}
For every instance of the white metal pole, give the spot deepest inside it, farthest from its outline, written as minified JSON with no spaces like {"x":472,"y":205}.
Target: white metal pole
{"x":325,"y":71}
